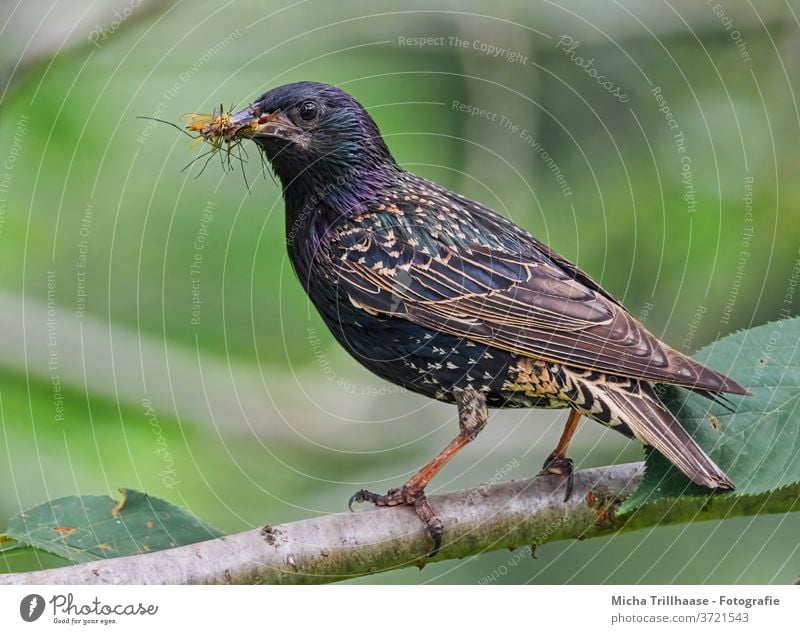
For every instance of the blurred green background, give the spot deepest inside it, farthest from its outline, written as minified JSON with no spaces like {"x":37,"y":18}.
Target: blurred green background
{"x":242,"y":408}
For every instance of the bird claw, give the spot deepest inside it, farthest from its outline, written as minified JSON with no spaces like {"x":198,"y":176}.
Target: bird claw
{"x":405,"y":496}
{"x":358,"y":496}
{"x":364,"y":496}
{"x":433,"y":524}
{"x":394,"y":497}
{"x":560,"y":466}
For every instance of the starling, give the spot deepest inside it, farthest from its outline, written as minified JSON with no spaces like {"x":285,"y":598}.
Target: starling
{"x":443,"y":296}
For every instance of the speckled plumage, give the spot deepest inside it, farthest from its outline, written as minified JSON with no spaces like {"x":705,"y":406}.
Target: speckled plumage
{"x":443,"y":296}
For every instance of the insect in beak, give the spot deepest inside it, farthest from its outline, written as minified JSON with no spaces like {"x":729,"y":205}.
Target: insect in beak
{"x":218,"y":128}
{"x":252,"y":123}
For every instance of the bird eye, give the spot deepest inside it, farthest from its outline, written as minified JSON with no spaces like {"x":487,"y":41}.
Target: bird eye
{"x":308,"y":110}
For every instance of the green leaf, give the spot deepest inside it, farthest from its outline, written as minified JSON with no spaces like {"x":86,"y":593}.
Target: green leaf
{"x":91,"y":527}
{"x":758,"y":444}
{"x":6,"y":544}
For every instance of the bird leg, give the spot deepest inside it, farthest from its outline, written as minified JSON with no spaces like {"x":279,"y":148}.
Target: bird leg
{"x":557,"y":462}
{"x":472,"y":418}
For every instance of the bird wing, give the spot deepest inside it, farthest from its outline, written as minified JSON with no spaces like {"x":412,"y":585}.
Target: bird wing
{"x":525,"y":303}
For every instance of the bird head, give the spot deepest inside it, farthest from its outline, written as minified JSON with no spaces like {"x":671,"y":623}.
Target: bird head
{"x":314,"y":135}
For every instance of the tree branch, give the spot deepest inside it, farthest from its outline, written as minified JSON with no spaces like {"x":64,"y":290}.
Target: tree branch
{"x":345,"y":545}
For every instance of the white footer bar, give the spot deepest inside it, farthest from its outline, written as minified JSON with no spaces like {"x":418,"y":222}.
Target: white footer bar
{"x":401,"y":609}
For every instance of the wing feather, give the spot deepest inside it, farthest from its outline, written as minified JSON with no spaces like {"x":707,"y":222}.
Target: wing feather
{"x":532,"y":303}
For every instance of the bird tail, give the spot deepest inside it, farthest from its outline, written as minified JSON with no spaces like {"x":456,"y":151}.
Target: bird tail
{"x":653,"y":424}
